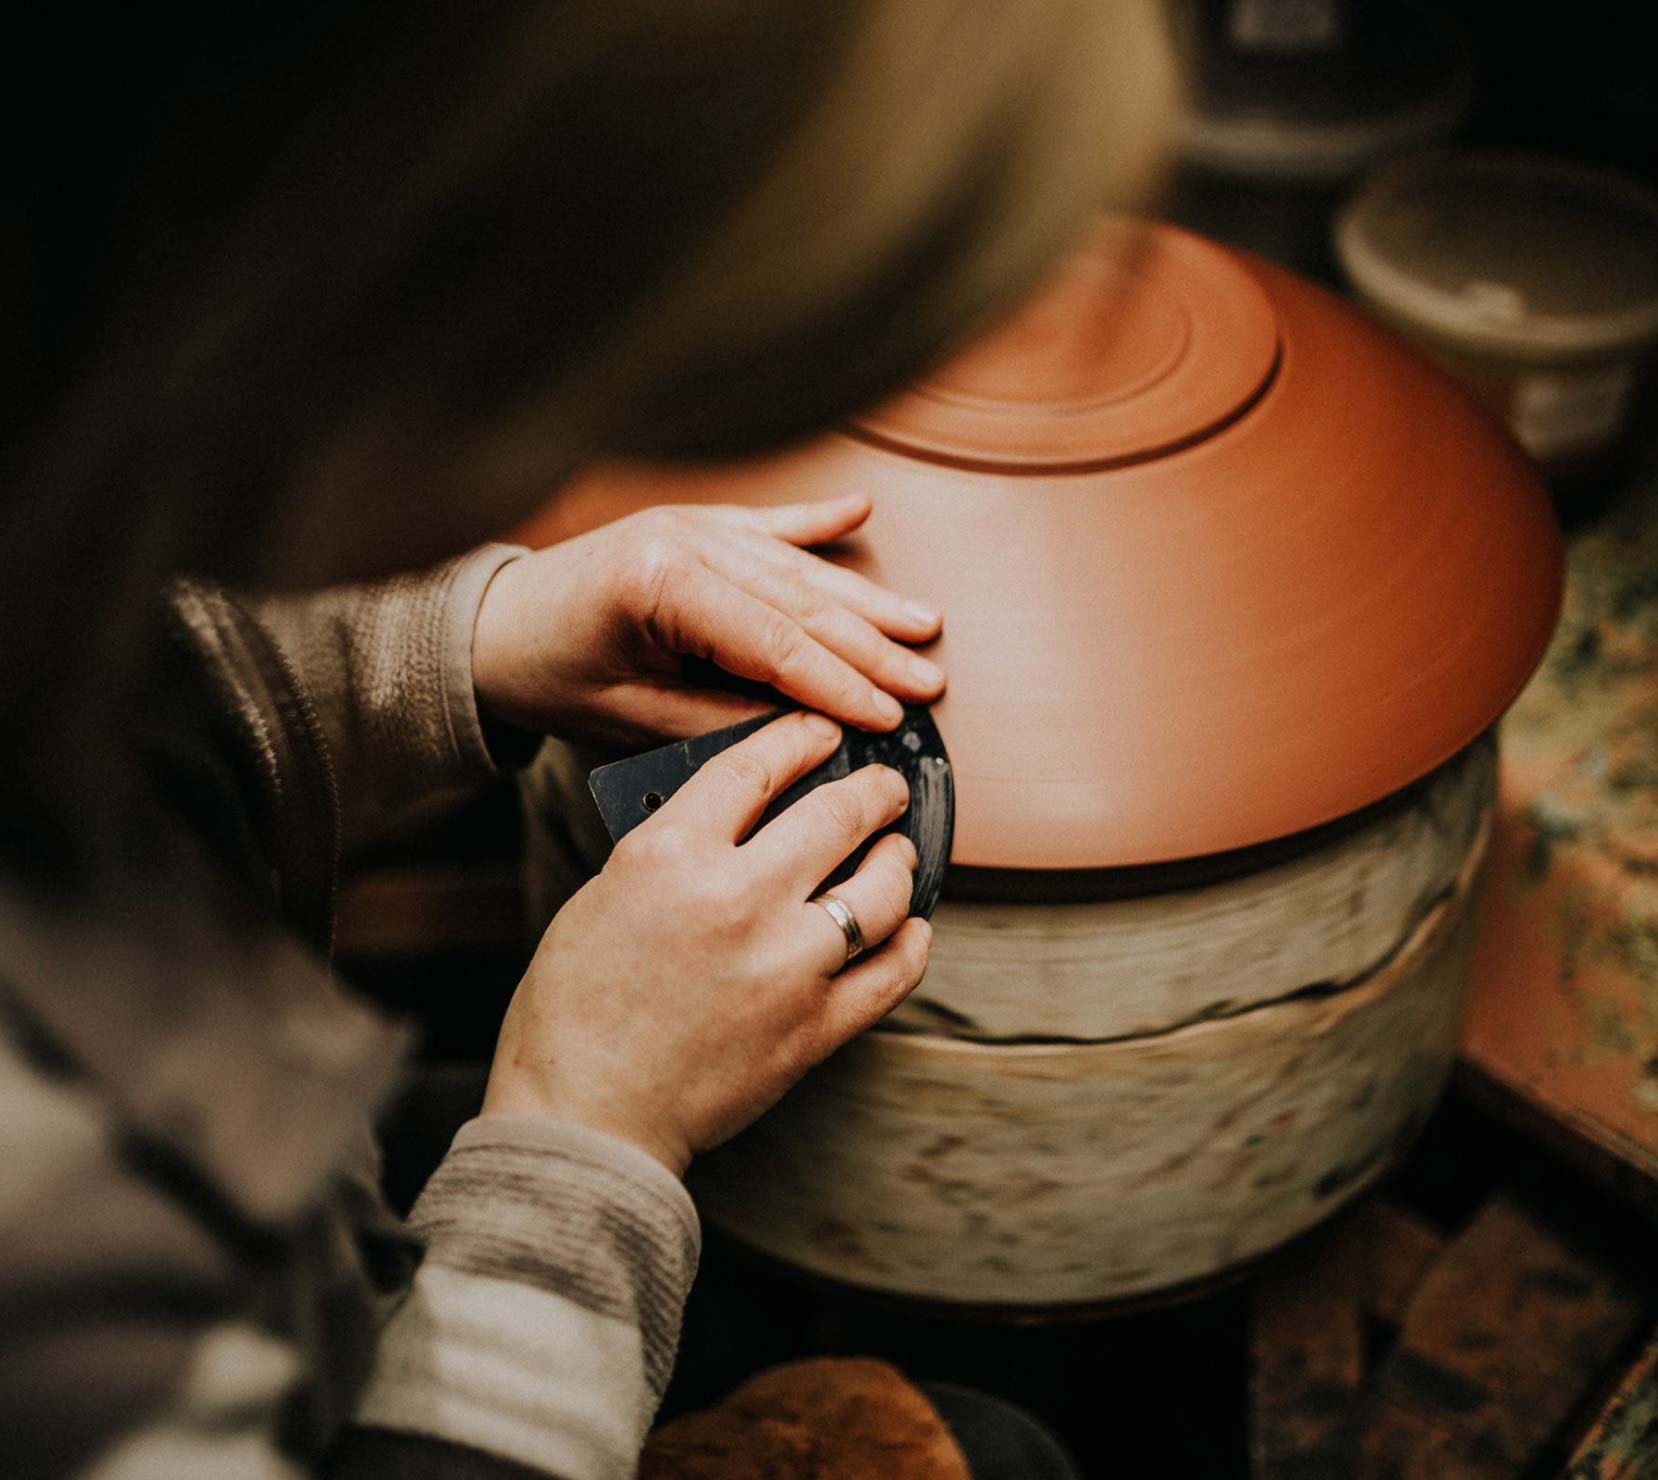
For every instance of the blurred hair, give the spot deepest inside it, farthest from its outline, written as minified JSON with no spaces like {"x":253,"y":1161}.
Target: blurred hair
{"x":393,"y":272}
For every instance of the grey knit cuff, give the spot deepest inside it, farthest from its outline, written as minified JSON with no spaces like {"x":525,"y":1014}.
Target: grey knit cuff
{"x":572,"y":1211}
{"x":481,"y":742}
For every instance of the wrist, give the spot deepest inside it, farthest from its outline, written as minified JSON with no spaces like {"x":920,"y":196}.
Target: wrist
{"x":488,"y":631}
{"x":507,"y":1095}
{"x":498,"y":638}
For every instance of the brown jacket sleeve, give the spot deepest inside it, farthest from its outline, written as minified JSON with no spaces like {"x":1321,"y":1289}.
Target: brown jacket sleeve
{"x":388,"y":668}
{"x":196,"y":1279}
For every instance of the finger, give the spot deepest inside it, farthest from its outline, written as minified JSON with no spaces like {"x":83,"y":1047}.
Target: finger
{"x":869,"y":989}
{"x":807,"y":841}
{"x":709,"y":617}
{"x":878,"y":895}
{"x":727,"y":796}
{"x":896,"y":668}
{"x":898,"y":616}
{"x":906,"y":617}
{"x":814,"y":523}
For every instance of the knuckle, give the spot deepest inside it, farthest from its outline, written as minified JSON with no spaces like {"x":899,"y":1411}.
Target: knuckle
{"x":632,"y":848}
{"x":895,"y":983}
{"x":651,"y":573}
{"x":896,"y":887}
{"x":885,"y":992}
{"x":784,"y":646}
{"x":658,"y":553}
{"x":888,"y":792}
{"x":747,"y":771}
{"x":809,"y":603}
{"x":651,"y":848}
{"x":773,"y":968}
{"x":662,"y":520}
{"x":845,"y":810}
{"x":918,"y":952}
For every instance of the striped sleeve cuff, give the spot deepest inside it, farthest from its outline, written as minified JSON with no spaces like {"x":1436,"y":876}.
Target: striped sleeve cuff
{"x":542,"y":1325}
{"x":478,"y":742}
{"x":571,"y":1211}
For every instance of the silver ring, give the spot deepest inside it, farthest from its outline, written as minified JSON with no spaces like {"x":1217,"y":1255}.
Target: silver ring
{"x":838,"y":911}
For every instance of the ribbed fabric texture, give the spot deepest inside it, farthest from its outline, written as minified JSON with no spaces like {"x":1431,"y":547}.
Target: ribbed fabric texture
{"x":400,"y":652}
{"x":572,"y":1211}
{"x":541,"y":1329}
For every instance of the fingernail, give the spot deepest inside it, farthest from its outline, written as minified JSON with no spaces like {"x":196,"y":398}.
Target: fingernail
{"x":887,"y":707}
{"x":921,"y":614}
{"x":821,"y":724}
{"x":908,"y":850}
{"x":925,"y":672}
{"x":926,"y":928}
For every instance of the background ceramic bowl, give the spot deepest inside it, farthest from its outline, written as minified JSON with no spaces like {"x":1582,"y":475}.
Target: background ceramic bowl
{"x":1534,"y":280}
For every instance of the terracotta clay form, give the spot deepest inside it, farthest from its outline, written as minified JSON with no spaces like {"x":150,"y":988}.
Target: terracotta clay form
{"x":1235,"y":587}
{"x":1219,"y":559}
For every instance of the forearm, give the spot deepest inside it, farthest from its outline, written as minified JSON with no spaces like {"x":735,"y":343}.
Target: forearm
{"x":535,"y":1340}
{"x":540,"y":1332}
{"x":388,"y":669}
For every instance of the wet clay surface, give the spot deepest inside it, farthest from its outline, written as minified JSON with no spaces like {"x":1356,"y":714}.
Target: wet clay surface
{"x":1339,"y":580}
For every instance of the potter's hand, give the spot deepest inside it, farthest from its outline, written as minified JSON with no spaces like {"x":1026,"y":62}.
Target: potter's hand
{"x":588,"y":639}
{"x":684,"y":989}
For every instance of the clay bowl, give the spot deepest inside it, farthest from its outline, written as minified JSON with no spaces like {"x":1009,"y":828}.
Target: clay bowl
{"x":1221,"y":561}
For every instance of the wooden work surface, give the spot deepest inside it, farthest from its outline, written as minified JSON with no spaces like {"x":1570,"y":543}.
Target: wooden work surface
{"x":1562,"y":1025}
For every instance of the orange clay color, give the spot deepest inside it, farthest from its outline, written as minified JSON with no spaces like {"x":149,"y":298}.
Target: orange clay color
{"x":1219,"y":559}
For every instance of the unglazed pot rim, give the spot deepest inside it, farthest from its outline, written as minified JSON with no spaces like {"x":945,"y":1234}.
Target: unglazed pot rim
{"x":1510,"y":329}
